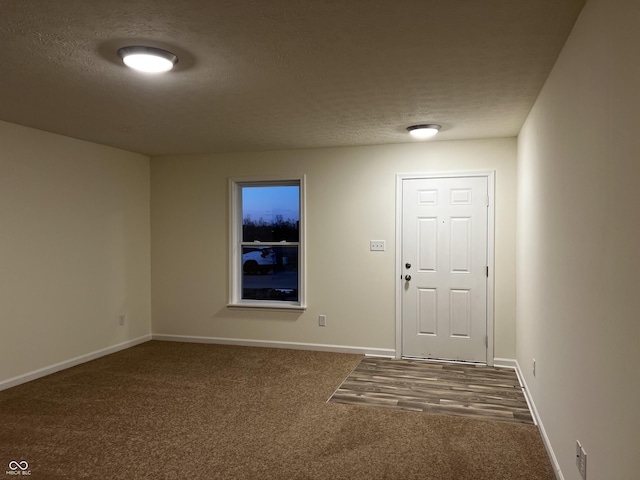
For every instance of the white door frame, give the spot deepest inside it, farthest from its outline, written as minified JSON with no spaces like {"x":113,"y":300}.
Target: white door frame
{"x":490,"y":175}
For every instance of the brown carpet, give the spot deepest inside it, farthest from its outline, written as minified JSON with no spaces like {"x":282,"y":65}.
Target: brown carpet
{"x":464,"y":390}
{"x":170,"y":410}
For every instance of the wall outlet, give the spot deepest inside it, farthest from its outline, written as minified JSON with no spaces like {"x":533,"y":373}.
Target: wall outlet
{"x":122,"y":319}
{"x":377,"y":245}
{"x":322,"y":320}
{"x":534,"y":367}
{"x":581,"y":460}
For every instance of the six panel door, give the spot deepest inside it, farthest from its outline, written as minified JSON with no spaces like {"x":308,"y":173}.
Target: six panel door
{"x":444,"y":264}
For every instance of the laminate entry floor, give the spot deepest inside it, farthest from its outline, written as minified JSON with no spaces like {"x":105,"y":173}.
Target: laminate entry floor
{"x":439,"y":388}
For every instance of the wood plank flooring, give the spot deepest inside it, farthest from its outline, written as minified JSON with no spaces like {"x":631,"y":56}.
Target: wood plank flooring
{"x":440,"y":388}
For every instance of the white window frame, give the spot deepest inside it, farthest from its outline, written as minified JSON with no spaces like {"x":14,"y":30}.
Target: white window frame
{"x":235,"y":243}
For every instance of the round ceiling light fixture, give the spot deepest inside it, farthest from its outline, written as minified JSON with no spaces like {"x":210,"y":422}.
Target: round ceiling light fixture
{"x":148,"y":59}
{"x":422,"y":132}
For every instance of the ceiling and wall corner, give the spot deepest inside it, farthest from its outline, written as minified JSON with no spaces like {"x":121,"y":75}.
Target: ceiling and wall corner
{"x":578,"y":234}
{"x":257,"y":76}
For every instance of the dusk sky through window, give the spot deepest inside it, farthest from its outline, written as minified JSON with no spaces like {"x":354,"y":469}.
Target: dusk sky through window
{"x":268,"y":201}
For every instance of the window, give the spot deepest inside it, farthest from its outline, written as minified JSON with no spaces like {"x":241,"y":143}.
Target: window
{"x":267,"y":243}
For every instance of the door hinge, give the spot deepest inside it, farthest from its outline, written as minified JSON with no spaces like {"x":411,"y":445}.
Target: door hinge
{"x":487,"y":271}
{"x":486,"y":341}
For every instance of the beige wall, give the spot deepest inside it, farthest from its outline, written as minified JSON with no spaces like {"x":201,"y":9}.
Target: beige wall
{"x":74,"y":248}
{"x":350,"y":200}
{"x":578,"y":240}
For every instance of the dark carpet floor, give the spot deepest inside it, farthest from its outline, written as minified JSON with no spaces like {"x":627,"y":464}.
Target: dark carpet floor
{"x":172,"y":410}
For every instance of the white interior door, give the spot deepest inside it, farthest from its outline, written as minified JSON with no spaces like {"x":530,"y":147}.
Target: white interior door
{"x":444,"y":268}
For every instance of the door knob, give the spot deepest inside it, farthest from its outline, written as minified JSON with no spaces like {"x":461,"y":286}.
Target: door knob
{"x":408,"y":265}
{"x":407,"y":277}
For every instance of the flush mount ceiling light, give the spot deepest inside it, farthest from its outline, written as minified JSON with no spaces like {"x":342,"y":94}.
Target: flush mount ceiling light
{"x":422,"y":132}
{"x":148,"y":59}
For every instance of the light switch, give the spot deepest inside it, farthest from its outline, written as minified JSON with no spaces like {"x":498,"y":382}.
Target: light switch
{"x":377,"y":245}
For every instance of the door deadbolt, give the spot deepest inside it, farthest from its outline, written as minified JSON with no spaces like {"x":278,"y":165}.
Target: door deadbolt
{"x":407,"y":277}
{"x":407,"y":265}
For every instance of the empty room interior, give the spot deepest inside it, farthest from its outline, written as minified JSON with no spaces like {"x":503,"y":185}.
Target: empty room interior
{"x":122,"y":197}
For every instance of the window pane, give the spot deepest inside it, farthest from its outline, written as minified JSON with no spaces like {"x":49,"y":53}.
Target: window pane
{"x":271,"y":213}
{"x":270,"y":273}
{"x":267,"y":230}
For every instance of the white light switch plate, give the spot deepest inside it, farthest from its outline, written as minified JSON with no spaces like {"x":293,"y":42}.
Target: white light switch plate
{"x":377,"y":245}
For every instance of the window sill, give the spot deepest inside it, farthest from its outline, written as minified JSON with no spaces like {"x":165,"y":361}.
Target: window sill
{"x":268,"y":305}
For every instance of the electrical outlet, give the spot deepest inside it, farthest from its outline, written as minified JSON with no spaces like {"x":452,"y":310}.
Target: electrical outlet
{"x":322,"y":320}
{"x":121,"y":319}
{"x":534,"y":367}
{"x":581,"y":460}
{"x":377,"y":245}
{"x":578,"y":454}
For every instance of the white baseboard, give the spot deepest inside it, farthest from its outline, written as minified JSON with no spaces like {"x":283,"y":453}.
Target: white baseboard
{"x":382,"y":352}
{"x":538,"y":421}
{"x":505,"y":362}
{"x":43,"y":372}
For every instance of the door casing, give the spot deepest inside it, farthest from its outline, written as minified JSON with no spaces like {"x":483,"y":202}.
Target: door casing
{"x":490,"y":175}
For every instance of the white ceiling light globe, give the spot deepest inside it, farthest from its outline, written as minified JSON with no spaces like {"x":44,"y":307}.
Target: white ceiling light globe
{"x":147,"y":59}
{"x":423,"y":132}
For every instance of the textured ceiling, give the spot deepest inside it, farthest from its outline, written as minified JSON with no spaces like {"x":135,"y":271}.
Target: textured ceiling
{"x":277,"y":74}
